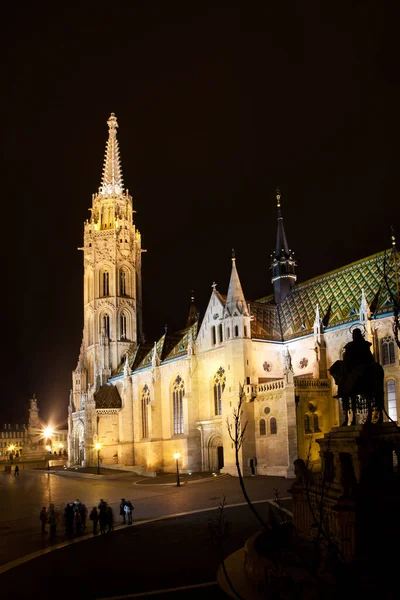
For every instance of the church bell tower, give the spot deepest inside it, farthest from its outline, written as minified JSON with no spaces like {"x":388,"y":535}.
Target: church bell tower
{"x":112,"y":277}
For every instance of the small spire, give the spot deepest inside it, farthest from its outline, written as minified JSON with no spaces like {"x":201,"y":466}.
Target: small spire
{"x":214,"y":286}
{"x":235,"y":300}
{"x":112,"y":181}
{"x":233,"y":254}
{"x":192,"y":316}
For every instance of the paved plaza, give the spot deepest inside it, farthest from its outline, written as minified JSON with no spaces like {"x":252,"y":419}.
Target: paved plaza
{"x":122,"y":552}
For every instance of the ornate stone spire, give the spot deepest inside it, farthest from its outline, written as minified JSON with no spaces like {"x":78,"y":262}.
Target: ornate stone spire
{"x":112,"y":181}
{"x":235,"y":300}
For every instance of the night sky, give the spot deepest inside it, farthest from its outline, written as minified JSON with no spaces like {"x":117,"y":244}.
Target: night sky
{"x":217,"y":104}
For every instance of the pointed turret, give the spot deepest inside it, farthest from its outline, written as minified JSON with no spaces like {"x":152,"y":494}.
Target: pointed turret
{"x":235,"y":300}
{"x":112,"y":181}
{"x":193,"y":313}
{"x":282,"y":261}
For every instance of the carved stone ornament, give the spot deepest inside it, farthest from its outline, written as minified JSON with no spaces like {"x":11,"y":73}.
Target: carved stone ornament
{"x":303,"y":363}
{"x":267,"y":366}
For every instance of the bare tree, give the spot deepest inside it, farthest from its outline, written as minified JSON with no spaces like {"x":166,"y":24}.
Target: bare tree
{"x":237,"y":432}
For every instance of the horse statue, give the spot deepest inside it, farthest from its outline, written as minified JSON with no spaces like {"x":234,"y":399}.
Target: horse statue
{"x":360,"y":381}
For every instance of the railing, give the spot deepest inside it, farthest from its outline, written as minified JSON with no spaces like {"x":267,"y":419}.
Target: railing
{"x":312,"y":383}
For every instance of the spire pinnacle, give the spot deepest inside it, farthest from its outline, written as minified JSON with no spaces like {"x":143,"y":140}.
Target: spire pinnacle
{"x":112,"y":181}
{"x":235,"y":300}
{"x":278,"y":197}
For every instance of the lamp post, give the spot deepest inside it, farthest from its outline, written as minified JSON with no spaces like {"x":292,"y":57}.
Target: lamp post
{"x":98,"y":448}
{"x":177,"y":457}
{"x":11,"y":449}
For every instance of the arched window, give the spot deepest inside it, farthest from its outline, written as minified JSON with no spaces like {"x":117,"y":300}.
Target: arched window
{"x":219,"y":386}
{"x":236,"y":331}
{"x":316,"y":424}
{"x":262,"y":427}
{"x":388,"y":351}
{"x":272,"y":426}
{"x":145,"y":420}
{"x":307,"y":428}
{"x":178,"y":392}
{"x":245,"y":331}
{"x":391,"y":399}
{"x":221,"y":334}
{"x":228,"y":333}
{"x":106,"y":324}
{"x":122,"y":283}
{"x":122,"y":325}
{"x":106,"y":283}
{"x":213,"y":336}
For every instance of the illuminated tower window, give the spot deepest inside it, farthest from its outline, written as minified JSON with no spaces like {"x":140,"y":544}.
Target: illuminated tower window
{"x":262,"y":427}
{"x":123,"y":325}
{"x":178,"y":392}
{"x":122,"y":283}
{"x":106,"y":280}
{"x":273,"y":426}
{"x":145,"y":418}
{"x":219,"y":386}
{"x":388,"y":351}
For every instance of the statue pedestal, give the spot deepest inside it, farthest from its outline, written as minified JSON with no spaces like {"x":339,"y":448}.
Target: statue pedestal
{"x":356,"y":492}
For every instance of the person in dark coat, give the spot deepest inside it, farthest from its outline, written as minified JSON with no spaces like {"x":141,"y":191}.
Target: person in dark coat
{"x":103,"y":516}
{"x":43,"y":516}
{"x":122,"y":510}
{"x":110,"y":519}
{"x":69,"y":519}
{"x":94,"y":517}
{"x":83,"y":512}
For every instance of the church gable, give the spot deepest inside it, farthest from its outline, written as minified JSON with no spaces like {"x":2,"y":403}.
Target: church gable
{"x":212,"y":318}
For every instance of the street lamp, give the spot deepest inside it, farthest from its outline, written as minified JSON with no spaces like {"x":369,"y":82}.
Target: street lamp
{"x":11,"y":449}
{"x":177,"y":457}
{"x":98,"y":448}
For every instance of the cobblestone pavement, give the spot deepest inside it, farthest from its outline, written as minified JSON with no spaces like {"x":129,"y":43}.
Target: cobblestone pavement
{"x":21,"y":500}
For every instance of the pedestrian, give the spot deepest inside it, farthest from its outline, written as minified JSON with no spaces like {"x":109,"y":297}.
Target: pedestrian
{"x":103,"y":516}
{"x":128,"y":511}
{"x":122,"y":510}
{"x":16,"y":471}
{"x":78,"y":522}
{"x":53,"y":519}
{"x":94,"y":517}
{"x":43,"y":516}
{"x":110,"y":519}
{"x":69,"y":519}
{"x":83,"y":512}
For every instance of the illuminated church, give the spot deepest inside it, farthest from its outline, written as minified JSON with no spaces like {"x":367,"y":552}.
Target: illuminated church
{"x":140,"y":403}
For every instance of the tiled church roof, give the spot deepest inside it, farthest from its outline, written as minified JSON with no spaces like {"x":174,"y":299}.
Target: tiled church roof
{"x":340,"y":290}
{"x":107,"y":396}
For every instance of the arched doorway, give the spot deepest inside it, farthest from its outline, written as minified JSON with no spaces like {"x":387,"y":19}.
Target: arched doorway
{"x":79,"y":444}
{"x":215,"y":454}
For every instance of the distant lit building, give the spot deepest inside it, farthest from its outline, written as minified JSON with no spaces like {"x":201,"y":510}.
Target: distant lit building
{"x":28,"y":441}
{"x":144,"y":401}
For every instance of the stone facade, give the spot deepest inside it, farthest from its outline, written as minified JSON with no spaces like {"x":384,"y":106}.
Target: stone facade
{"x":143,"y":402}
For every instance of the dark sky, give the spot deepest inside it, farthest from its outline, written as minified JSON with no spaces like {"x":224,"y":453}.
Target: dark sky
{"x":217,"y":102}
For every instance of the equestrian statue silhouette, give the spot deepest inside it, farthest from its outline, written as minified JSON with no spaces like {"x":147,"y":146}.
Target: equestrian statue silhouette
{"x":360,"y":380}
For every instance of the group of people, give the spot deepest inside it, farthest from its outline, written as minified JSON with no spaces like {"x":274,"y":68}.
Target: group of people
{"x":75,"y":516}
